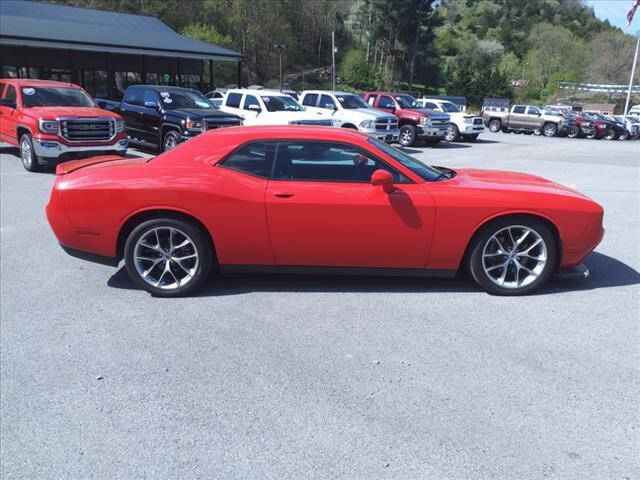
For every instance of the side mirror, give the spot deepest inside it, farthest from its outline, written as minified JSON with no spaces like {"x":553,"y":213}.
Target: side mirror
{"x":5,"y":102}
{"x":151,"y":105}
{"x":384,"y":179}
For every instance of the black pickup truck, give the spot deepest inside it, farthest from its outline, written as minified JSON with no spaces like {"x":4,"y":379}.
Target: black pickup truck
{"x":161,"y":117}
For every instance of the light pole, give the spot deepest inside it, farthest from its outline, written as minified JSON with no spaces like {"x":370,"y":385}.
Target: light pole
{"x":524,"y":64}
{"x":333,"y":61}
{"x":280,"y":47}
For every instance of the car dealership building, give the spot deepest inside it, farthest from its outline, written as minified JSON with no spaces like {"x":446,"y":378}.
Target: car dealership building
{"x":102,"y":51}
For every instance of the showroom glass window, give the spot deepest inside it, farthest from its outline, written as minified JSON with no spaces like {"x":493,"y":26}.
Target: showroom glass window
{"x":254,"y":159}
{"x":328,"y":162}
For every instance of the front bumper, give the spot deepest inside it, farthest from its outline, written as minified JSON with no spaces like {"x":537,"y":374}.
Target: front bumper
{"x":51,"y":149}
{"x":564,"y":128}
{"x":428,"y":131}
{"x":472,"y":129}
{"x":587,"y":130}
{"x":390,"y":135}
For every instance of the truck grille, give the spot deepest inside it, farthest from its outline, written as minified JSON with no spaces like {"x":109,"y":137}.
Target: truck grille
{"x":87,"y":129}
{"x":386,"y":124}
{"x":477,"y":121}
{"x":436,"y":122}
{"x":322,"y":123}
{"x":213,"y":123}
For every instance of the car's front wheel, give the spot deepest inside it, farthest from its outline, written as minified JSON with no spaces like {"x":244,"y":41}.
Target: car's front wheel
{"x":407,"y":135}
{"x":28,"y":155}
{"x":170,"y":140}
{"x":495,"y":125}
{"x":513,"y":256}
{"x":168,"y":257}
{"x":573,"y":133}
{"x":453,"y":134}
{"x":550,"y":130}
{"x":611,"y":135}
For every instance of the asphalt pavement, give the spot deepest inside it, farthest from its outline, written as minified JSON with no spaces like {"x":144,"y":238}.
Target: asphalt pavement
{"x":321,"y":377}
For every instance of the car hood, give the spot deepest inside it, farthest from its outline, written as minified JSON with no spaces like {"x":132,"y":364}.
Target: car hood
{"x":511,"y":181}
{"x":369,"y":113}
{"x":427,"y":112}
{"x":51,"y":113}
{"x":198,"y":113}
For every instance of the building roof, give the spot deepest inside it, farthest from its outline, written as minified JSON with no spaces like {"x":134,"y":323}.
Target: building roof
{"x":25,"y":22}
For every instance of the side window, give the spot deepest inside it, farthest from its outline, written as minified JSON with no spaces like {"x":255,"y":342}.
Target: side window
{"x":151,"y":96}
{"x":386,"y":102}
{"x":430,"y":105}
{"x":134,"y":96}
{"x":372,"y":99}
{"x":328,"y":162}
{"x":233,"y":100}
{"x":255,"y":159}
{"x":518,"y":109}
{"x":310,"y":100}
{"x":327,"y":102}
{"x":533,"y":111}
{"x":10,"y":93}
{"x":251,"y":100}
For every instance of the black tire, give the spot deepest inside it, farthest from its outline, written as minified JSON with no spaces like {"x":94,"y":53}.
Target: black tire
{"x":611,"y":135}
{"x":453,"y":135}
{"x":30,"y":160}
{"x":481,"y":241}
{"x":550,"y":130}
{"x":574,"y":132}
{"x":495,"y":125}
{"x":593,"y":136}
{"x":348,"y":125}
{"x":470,"y":138}
{"x":407,"y":135}
{"x":170,"y":140}
{"x":537,"y":132}
{"x":199,"y":244}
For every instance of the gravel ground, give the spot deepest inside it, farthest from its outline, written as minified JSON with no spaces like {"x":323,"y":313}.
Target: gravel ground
{"x":278,"y":377}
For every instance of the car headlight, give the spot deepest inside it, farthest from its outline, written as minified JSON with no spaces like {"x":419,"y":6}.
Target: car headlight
{"x":192,"y":124}
{"x":119,"y":125}
{"x":48,"y":126}
{"x":368,"y":124}
{"x":424,"y":121}
{"x":468,"y":120}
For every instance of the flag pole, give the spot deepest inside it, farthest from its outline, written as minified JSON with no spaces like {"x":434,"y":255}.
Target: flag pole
{"x":633,"y":72}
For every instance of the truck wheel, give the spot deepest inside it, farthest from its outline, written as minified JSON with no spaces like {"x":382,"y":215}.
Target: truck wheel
{"x":495,"y":125}
{"x":573,"y":133}
{"x":470,"y":138}
{"x":611,"y":135}
{"x":453,"y":134}
{"x":170,"y":140}
{"x":28,"y":155}
{"x":537,"y":132}
{"x":591,"y":136}
{"x":407,"y":135}
{"x":550,"y":130}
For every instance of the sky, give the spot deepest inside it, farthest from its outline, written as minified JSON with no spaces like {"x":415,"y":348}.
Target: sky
{"x":616,"y":12}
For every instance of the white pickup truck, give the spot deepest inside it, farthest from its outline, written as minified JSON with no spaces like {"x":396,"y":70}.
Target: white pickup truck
{"x":463,"y":126}
{"x":266,"y":107}
{"x":350,"y":111}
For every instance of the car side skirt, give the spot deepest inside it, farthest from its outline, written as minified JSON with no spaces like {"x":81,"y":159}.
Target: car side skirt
{"x":91,"y":257}
{"x":322,"y":270}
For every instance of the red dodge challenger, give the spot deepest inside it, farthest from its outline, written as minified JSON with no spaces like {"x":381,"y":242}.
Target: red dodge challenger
{"x":302,"y":199}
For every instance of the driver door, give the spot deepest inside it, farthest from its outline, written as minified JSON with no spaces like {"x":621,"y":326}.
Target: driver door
{"x":322,"y":210}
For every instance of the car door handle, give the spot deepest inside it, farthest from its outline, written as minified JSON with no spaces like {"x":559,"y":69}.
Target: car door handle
{"x":283,"y":194}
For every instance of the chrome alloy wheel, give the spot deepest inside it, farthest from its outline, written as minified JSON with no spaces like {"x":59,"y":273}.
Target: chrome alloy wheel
{"x":165,"y":258}
{"x":514,"y":256}
{"x":26,"y":153}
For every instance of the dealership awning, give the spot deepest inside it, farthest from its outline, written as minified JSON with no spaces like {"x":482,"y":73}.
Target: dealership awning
{"x":44,"y":25}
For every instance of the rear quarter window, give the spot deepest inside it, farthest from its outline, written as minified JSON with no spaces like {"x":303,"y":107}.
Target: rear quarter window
{"x":253,"y":159}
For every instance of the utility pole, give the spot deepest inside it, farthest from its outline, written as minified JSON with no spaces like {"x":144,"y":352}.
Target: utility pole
{"x":280,"y":47}
{"x":333,"y":60}
{"x":633,"y":72}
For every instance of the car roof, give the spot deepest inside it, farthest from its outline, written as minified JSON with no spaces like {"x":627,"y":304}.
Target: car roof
{"x":38,"y":83}
{"x":331,"y":92}
{"x":162,"y":87}
{"x":256,"y":92}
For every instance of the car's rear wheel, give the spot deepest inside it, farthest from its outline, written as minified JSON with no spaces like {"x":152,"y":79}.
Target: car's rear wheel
{"x":168,"y":257}
{"x":453,"y":134}
{"x":28,"y":155}
{"x":513,"y":256}
{"x":495,"y":125}
{"x":407,"y":135}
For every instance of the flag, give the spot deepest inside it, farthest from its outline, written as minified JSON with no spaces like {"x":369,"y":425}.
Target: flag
{"x":631,"y":11}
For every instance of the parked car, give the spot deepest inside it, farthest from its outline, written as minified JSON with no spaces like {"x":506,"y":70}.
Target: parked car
{"x":158,"y":116}
{"x":632,"y":125}
{"x":320,"y":200}
{"x":350,"y":111}
{"x":51,"y":122}
{"x":215,"y":94}
{"x":267,"y":107}
{"x":529,"y":119}
{"x":463,"y":125}
{"x":416,"y":123}
{"x":585,"y":124}
{"x":605,"y":128}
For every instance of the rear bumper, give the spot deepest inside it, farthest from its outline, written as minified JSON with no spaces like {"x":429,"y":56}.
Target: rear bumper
{"x":50,"y":149}
{"x":426,"y":131}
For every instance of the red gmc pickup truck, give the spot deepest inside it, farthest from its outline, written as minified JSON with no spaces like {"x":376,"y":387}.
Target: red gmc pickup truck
{"x":52,"y":122}
{"x":415,"y":122}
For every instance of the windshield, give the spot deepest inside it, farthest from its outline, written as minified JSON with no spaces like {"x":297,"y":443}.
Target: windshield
{"x":281,"y":103}
{"x":351,"y":101}
{"x":425,"y":172}
{"x":55,"y":97}
{"x":407,"y":101}
{"x":174,"y":99}
{"x":450,"y":107}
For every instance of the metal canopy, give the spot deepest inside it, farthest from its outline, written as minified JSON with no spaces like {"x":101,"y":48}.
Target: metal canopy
{"x":29,"y":23}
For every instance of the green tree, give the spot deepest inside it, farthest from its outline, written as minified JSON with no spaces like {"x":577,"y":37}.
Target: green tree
{"x":355,"y":71}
